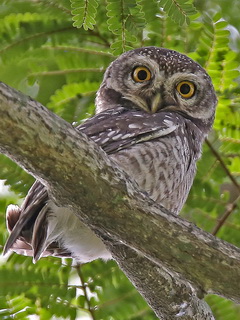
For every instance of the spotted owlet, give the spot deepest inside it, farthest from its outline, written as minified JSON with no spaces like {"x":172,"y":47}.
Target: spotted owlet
{"x":153,"y":110}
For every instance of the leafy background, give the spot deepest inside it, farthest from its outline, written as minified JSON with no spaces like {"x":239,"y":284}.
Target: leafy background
{"x":56,"y":51}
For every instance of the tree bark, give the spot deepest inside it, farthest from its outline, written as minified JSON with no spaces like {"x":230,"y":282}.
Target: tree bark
{"x":171,"y":262}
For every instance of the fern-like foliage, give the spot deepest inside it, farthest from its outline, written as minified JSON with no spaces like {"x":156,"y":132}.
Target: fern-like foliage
{"x":221,"y":63}
{"x":179,"y":11}
{"x":29,"y":284}
{"x":77,"y":97}
{"x":18,"y":180}
{"x":84,"y":13}
{"x":126,"y":21}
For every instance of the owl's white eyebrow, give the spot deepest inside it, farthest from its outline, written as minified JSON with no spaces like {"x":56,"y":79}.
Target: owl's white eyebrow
{"x":138,"y":115}
{"x":133,"y":126}
{"x":105,"y":140}
{"x":117,"y":136}
{"x":168,"y":122}
{"x":125,"y":136}
{"x":111,"y":133}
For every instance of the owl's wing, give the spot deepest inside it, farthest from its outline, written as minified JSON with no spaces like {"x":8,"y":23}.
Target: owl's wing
{"x":120,"y":128}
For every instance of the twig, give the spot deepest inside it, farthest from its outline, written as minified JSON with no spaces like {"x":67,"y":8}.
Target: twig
{"x":117,"y":300}
{"x":216,"y":154}
{"x":229,"y":209}
{"x":66,"y":71}
{"x":231,"y":206}
{"x":34,"y":36}
{"x":84,"y":288}
{"x":78,"y":49}
{"x":97,"y":34}
{"x":54,"y":5}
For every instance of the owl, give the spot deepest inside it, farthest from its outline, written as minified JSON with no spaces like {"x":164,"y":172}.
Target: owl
{"x":154,"y":109}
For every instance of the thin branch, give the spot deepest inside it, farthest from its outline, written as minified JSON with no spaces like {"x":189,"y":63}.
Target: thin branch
{"x":117,"y":300}
{"x":67,"y":71}
{"x":84,"y":288}
{"x":55,"y":5}
{"x":97,"y":34}
{"x":35,"y":36}
{"x":218,"y":157}
{"x":229,"y":139}
{"x":44,"y":34}
{"x":140,"y":314}
{"x":40,"y":284}
{"x":78,"y":49}
{"x":231,"y":206}
{"x":229,"y":209}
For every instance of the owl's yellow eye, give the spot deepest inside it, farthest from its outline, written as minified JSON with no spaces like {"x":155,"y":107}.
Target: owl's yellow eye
{"x":141,"y":74}
{"x":186,"y":89}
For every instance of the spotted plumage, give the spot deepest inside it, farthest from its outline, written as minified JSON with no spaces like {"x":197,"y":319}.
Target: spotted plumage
{"x":154,"y":109}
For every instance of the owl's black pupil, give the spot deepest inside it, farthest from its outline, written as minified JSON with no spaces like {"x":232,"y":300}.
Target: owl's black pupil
{"x":185,"y":88}
{"x":142,"y":75}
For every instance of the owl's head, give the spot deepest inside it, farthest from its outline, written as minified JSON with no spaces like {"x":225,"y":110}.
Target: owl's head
{"x":155,"y":79}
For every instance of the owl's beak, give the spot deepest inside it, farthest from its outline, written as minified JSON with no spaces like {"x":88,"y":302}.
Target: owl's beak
{"x":150,"y":105}
{"x":156,"y":103}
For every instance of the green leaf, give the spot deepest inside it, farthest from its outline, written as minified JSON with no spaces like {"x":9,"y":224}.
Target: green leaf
{"x":84,"y":13}
{"x":126,"y":21}
{"x":179,"y":10}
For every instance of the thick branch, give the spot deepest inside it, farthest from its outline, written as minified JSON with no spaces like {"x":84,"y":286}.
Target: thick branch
{"x":81,"y":176}
{"x":169,"y":295}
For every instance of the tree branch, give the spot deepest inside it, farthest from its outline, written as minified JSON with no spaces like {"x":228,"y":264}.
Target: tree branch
{"x":225,"y":168}
{"x":230,"y":206}
{"x":229,"y":210}
{"x":170,"y":261}
{"x":84,"y":288}
{"x":169,"y":294}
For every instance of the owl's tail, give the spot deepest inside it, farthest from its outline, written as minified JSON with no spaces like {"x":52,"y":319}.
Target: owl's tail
{"x":28,"y":226}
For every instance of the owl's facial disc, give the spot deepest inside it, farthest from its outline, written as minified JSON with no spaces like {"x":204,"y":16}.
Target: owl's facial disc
{"x":154,"y":79}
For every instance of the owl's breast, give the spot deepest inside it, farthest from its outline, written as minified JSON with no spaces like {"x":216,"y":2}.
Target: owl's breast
{"x":164,"y":169}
